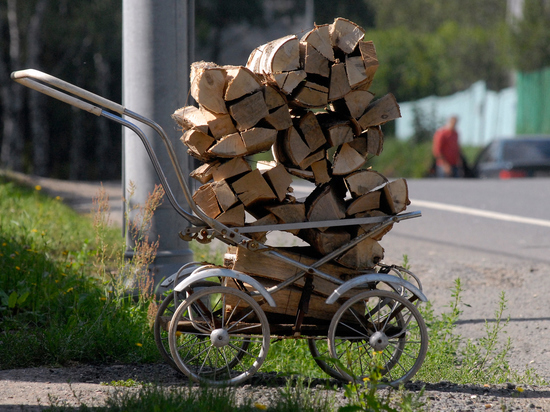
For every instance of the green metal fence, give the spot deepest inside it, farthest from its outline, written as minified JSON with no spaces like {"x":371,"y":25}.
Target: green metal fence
{"x":533,"y":110}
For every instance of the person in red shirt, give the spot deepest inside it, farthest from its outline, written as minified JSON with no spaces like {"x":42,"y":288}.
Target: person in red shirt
{"x":446,"y":150}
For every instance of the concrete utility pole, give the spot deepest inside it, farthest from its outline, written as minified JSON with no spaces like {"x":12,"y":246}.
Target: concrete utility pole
{"x":157,"y":52}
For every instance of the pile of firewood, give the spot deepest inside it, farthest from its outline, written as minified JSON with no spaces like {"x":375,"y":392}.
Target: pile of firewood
{"x":307,"y":101}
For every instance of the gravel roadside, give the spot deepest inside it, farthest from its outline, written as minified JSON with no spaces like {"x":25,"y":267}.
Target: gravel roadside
{"x":35,"y":389}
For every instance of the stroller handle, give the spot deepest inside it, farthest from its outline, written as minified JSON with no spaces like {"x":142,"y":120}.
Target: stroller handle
{"x":44,"y":83}
{"x":92,"y":103}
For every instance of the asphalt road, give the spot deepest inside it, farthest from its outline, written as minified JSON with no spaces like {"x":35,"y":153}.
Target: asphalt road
{"x":494,"y":236}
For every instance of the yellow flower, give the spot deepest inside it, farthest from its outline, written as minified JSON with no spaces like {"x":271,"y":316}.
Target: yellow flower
{"x":103,"y":298}
{"x":57,"y":198}
{"x":69,"y":290}
{"x":260,"y":406}
{"x":18,"y":268}
{"x":34,"y":231}
{"x":139,"y":344}
{"x":4,"y":244}
{"x":38,"y":187}
{"x":178,"y":333}
{"x":519,"y":389}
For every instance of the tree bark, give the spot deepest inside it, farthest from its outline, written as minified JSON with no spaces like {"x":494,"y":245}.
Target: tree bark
{"x":12,"y":98}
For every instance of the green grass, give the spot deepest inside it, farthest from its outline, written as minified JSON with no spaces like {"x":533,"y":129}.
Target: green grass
{"x":55,"y":308}
{"x":409,"y":160}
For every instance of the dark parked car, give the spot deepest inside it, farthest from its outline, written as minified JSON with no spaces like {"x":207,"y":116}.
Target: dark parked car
{"x":521,"y":156}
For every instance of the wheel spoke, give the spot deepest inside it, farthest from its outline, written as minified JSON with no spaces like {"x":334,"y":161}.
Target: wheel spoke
{"x":235,"y":356}
{"x":394,"y":318}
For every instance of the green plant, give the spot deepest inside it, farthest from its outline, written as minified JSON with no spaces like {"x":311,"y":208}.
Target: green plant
{"x":54,"y":303}
{"x":452,"y":358}
{"x":128,"y":383}
{"x":366,"y":396}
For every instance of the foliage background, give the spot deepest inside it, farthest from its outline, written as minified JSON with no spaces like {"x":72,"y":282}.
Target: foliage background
{"x":426,"y":47}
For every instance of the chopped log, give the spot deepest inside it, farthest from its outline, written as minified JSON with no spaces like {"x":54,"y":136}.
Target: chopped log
{"x":337,"y":130}
{"x":312,"y":61}
{"x":364,"y":203}
{"x":296,"y":150}
{"x":311,"y":95}
{"x":370,"y":60}
{"x":288,"y":81}
{"x":233,"y":217}
{"x":207,"y":84}
{"x":224,"y":194}
{"x":345,"y":35}
{"x":366,"y":227}
{"x":355,"y":69}
{"x":303,"y":174}
{"x":324,"y":204}
{"x":396,"y":196}
{"x":269,"y":219}
{"x":355,"y":103}
{"x":254,"y":59}
{"x":281,"y":55}
{"x":273,"y":98}
{"x":364,"y":181}
{"x":252,"y":188}
{"x":279,"y":118}
{"x":278,"y":148}
{"x":239,"y":81}
{"x":364,"y":255}
{"x":190,"y":117}
{"x":360,"y":145}
{"x":249,"y":111}
{"x":312,"y":158}
{"x":203,"y":173}
{"x":258,"y":139}
{"x":266,"y":220}
{"x":229,"y":146}
{"x":279,"y":180}
{"x":327,"y":241}
{"x":319,"y":38}
{"x":339,"y":85}
{"x":197,"y":141}
{"x":309,"y":128}
{"x":289,"y":213}
{"x":380,"y":111}
{"x":347,"y":160}
{"x":375,"y":140}
{"x":287,"y":302}
{"x":219,"y":125}
{"x":205,"y":198}
{"x":260,"y":264}
{"x":230,"y":169}
{"x":320,"y":172}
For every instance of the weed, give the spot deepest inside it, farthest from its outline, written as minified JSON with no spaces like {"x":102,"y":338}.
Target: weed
{"x":452,"y":358}
{"x":366,"y":396}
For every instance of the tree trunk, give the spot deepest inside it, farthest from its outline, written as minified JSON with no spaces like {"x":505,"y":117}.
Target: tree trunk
{"x":39,"y":133}
{"x":12,"y":98}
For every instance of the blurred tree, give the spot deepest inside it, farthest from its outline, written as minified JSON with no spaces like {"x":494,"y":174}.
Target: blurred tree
{"x":80,"y":42}
{"x":531,"y":36}
{"x":430,"y":47}
{"x":428,"y":15}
